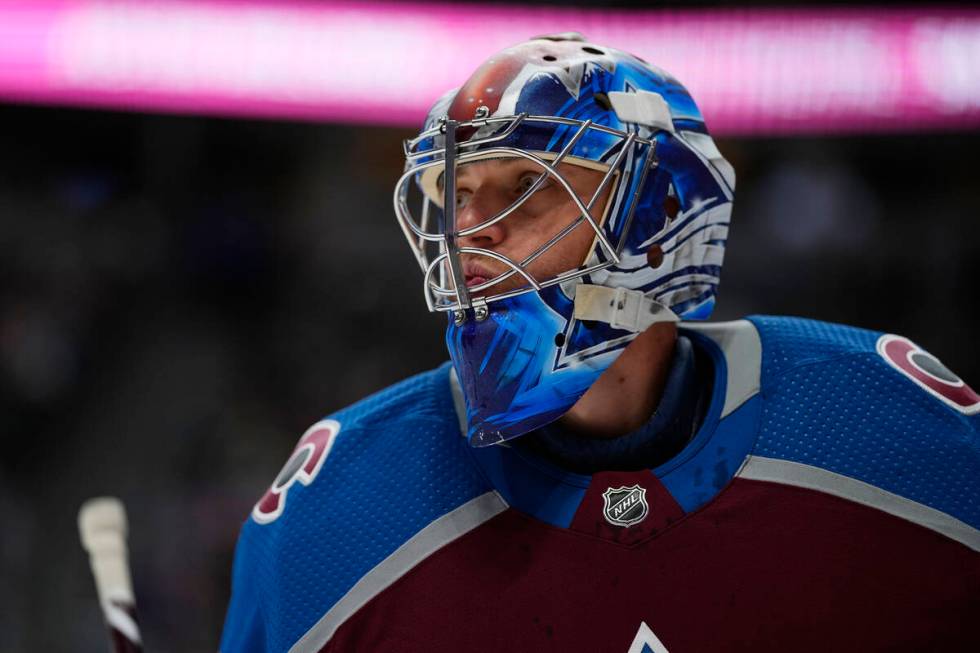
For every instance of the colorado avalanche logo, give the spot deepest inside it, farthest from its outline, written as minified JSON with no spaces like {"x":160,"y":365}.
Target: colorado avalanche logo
{"x":928,"y":373}
{"x":302,"y":466}
{"x":625,"y":506}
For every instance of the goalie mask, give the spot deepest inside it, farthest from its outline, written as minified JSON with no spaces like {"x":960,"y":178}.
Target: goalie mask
{"x":526,"y":341}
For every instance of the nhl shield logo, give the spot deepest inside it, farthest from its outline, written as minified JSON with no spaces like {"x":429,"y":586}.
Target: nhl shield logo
{"x":625,"y":506}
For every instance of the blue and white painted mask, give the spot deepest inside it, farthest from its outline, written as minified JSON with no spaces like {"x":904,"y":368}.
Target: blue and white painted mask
{"x":525,"y":353}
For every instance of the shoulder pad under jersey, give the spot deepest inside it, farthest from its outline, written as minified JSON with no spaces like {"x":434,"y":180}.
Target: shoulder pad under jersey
{"x":869,"y":415}
{"x":357,"y":486}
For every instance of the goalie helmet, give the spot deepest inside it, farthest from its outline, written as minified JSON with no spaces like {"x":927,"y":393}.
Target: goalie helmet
{"x":525,"y":352}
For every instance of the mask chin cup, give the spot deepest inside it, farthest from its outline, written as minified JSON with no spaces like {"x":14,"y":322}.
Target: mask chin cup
{"x":620,"y":308}
{"x":508,"y":363}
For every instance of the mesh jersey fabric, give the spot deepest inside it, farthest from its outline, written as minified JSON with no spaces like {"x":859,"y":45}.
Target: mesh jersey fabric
{"x":398,"y":463}
{"x":832,"y":402}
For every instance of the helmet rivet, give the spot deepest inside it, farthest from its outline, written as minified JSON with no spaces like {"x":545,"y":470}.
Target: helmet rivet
{"x":459,"y":316}
{"x":482,"y":112}
{"x":480,"y":310}
{"x":655,"y":256}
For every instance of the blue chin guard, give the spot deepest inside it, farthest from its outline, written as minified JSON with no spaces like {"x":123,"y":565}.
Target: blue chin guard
{"x":524,"y":355}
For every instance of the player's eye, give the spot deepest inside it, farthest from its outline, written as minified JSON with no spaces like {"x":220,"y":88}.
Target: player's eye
{"x":528,"y":179}
{"x":462,"y":198}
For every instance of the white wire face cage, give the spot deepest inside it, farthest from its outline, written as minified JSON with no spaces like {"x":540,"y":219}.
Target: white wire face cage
{"x":433,"y":233}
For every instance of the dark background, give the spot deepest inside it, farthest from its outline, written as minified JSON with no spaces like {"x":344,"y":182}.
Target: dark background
{"x":181,"y":297}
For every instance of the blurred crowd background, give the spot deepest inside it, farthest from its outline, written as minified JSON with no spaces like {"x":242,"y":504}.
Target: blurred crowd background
{"x":180,"y":297}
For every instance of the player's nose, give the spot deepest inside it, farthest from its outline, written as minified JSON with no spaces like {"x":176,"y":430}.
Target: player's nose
{"x":478,"y":209}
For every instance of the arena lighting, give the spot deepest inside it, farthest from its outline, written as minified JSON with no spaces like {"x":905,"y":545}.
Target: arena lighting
{"x":753,"y":71}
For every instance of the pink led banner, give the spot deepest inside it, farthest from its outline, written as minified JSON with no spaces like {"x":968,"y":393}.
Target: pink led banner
{"x":753,"y":71}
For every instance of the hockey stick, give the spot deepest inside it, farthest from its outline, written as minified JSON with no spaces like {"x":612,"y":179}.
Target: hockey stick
{"x":102,"y":526}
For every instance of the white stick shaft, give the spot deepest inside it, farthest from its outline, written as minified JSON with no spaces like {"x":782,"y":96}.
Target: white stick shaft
{"x":103,"y":528}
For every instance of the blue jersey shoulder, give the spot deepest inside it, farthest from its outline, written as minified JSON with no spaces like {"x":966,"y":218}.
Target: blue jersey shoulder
{"x":789,"y":342}
{"x":424,"y":395}
{"x":391,"y":464}
{"x":854,"y":402}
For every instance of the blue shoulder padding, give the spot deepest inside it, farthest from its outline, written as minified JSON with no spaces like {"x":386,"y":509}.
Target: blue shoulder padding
{"x":398,"y":463}
{"x":832,"y":402}
{"x":789,"y":342}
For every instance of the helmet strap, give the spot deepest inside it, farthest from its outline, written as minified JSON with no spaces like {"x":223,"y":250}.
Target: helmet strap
{"x":620,"y":308}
